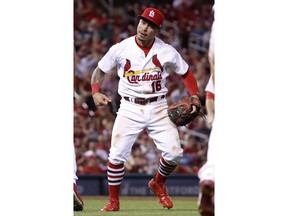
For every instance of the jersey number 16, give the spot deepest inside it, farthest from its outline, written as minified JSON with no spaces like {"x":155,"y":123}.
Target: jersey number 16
{"x":156,"y":86}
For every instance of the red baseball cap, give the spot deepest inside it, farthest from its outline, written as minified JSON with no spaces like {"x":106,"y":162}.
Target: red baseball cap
{"x":153,"y":15}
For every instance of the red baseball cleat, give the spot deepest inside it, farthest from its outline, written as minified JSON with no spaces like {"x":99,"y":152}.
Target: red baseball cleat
{"x":160,"y":190}
{"x":78,"y":202}
{"x":113,"y":205}
{"x":206,"y":198}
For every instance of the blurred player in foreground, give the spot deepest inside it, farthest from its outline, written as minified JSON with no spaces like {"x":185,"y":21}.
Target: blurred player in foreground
{"x":142,"y":65}
{"x":206,"y":172}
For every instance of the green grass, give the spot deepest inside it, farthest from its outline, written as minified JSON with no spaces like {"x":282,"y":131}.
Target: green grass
{"x":136,"y":206}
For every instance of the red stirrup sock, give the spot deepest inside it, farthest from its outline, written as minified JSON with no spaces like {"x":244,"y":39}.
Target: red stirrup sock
{"x":165,"y":169}
{"x":115,"y":175}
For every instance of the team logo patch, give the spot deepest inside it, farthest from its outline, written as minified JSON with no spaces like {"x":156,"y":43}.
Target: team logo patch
{"x":151,"y":13}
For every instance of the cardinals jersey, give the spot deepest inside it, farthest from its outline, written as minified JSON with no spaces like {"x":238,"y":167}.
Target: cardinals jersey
{"x":140,"y":75}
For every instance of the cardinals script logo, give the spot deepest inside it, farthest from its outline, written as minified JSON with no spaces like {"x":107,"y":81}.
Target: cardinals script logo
{"x":148,"y":74}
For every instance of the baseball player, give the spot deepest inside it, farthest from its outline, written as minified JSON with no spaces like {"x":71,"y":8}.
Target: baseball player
{"x":142,"y":62}
{"x":206,"y":172}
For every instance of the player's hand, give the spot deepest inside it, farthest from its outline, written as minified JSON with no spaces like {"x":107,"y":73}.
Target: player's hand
{"x":100,"y":99}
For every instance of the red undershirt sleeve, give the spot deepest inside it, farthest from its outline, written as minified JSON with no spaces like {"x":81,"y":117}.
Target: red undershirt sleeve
{"x":210,"y":95}
{"x":190,"y":83}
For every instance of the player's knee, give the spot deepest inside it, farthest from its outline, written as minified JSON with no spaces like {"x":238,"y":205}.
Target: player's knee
{"x":176,"y":160}
{"x":173,"y":158}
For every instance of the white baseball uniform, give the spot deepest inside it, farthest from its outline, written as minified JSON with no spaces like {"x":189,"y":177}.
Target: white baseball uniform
{"x":210,"y":86}
{"x":206,"y":172}
{"x":143,"y":77}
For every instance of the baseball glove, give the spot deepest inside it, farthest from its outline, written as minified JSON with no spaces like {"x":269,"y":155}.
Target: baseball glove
{"x":181,"y":113}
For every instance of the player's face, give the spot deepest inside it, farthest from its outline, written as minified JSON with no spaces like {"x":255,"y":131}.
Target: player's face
{"x":146,"y":32}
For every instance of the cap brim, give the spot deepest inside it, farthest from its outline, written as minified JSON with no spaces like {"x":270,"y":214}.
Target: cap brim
{"x":148,"y":20}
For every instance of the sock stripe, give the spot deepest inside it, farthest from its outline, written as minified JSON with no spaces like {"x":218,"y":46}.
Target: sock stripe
{"x":115,"y":174}
{"x":162,"y":173}
{"x":168,"y":169}
{"x":165,"y":169}
{"x":115,"y":170}
{"x":114,"y":179}
{"x":112,"y":166}
{"x":165,"y":163}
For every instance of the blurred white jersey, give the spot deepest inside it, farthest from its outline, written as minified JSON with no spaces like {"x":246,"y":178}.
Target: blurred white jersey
{"x":210,"y":86}
{"x":207,"y":172}
{"x":211,"y":42}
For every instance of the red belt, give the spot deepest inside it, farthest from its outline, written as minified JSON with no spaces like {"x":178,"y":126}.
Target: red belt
{"x":143,"y":101}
